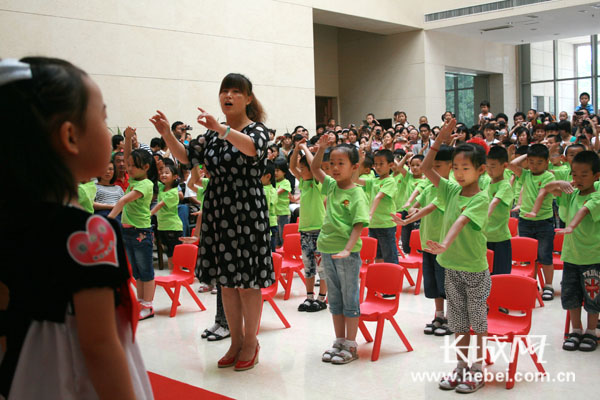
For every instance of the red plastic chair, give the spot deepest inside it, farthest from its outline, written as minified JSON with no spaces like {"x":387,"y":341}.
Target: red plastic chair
{"x":557,"y":250}
{"x":287,"y":229}
{"x":382,"y":278}
{"x":184,"y":264}
{"x":514,"y":293}
{"x":269,"y":293}
{"x":513,"y":226}
{"x":414,"y":260}
{"x":368,"y":252}
{"x":364,"y":232}
{"x":398,"y":237}
{"x":292,"y":251}
{"x":490,"y":260}
{"x":524,"y":250}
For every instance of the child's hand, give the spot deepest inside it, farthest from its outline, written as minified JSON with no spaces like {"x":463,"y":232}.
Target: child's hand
{"x":516,"y":209}
{"x":342,"y":254}
{"x":398,"y":219}
{"x":565,"y":231}
{"x":161,"y":123}
{"x":435,"y":247}
{"x":530,"y":214}
{"x":208,"y":121}
{"x":129,"y":132}
{"x":323,"y":141}
{"x":189,"y":240}
{"x":412,"y":211}
{"x":511,"y":150}
{"x":447,"y":129}
{"x":406,"y":205}
{"x":566,"y":187}
{"x":409,"y":155}
{"x":196,"y":213}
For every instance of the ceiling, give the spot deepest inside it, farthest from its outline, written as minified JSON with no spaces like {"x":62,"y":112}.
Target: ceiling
{"x":358,"y":23}
{"x":561,"y":23}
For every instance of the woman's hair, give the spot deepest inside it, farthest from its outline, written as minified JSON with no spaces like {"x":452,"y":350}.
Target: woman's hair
{"x":474,"y":152}
{"x":521,"y":130}
{"x":254,"y":110}
{"x":114,"y":177}
{"x":56,"y":93}
{"x":350,"y":150}
{"x":175,"y":173}
{"x":142,"y":157}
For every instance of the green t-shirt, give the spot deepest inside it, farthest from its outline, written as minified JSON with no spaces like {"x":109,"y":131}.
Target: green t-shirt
{"x":468,"y":252}
{"x":367,"y":176}
{"x":484,"y":181}
{"x":582,"y":247}
{"x":167,"y":217}
{"x":86,"y":193}
{"x":431,"y":223}
{"x":283,"y":200}
{"x":532,"y":184}
{"x":400,"y":185}
{"x":137,"y":212}
{"x":271,"y":197}
{"x":410,"y":184}
{"x":200,"y":190}
{"x":312,"y":209}
{"x":381,"y":215}
{"x":345,"y":208}
{"x":497,"y":228}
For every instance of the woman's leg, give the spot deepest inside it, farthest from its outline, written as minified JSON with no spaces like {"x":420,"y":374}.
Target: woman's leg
{"x":251,"y":302}
{"x":233,"y":310}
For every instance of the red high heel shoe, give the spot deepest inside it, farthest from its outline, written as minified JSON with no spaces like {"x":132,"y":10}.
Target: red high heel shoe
{"x":245,"y":365}
{"x":228,"y":362}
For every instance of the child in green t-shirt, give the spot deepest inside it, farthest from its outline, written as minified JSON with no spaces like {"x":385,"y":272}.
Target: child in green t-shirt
{"x":282,"y":209}
{"x":312,"y":213}
{"x":540,"y":227}
{"x":410,"y":180}
{"x":500,"y":195}
{"x":462,"y":252}
{"x":563,"y":173}
{"x":268,"y":181}
{"x":339,"y":244}
{"x":86,"y":192}
{"x":383,"y":192}
{"x":137,"y":229}
{"x":170,"y":226}
{"x":365,"y":171}
{"x":581,"y":247}
{"x":431,"y":221}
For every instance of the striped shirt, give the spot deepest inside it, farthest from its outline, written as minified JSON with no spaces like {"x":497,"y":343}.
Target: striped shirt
{"x":108,"y":194}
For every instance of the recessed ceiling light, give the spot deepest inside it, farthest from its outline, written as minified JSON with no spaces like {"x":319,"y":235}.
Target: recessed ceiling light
{"x":556,"y":34}
{"x":532,"y":16}
{"x":583,"y":11}
{"x":533,"y":29}
{"x":595,"y":5}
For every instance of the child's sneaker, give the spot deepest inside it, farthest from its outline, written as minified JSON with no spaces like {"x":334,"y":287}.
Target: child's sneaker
{"x":329,"y":354}
{"x":214,"y":290}
{"x":204,"y":288}
{"x":450,"y":382}
{"x":317,"y":305}
{"x":346,"y":355}
{"x":473,"y":381}
{"x":306,"y":304}
{"x":146,"y":312}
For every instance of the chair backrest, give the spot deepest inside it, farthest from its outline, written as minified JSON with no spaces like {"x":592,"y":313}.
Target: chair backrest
{"x":184,"y":260}
{"x":398,"y":229}
{"x":368,"y":251}
{"x":292,"y":247}
{"x":277,"y":260}
{"x":558,"y":241}
{"x":365,"y":231}
{"x":288,"y":229}
{"x":513,"y":226}
{"x":524,"y":249}
{"x":194,"y":231}
{"x":415,"y":242}
{"x":384,"y":278}
{"x":490,"y":260}
{"x":513,"y":292}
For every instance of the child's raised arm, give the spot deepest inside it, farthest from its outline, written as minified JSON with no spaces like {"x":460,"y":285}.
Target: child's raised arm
{"x":411,"y":199}
{"x":403,"y":162}
{"x":355,"y":176}
{"x":515,"y":167}
{"x":427,"y":165}
{"x":556,"y":188}
{"x":128,"y":198}
{"x":129,"y":132}
{"x":294,"y":160}
{"x":354,"y":235}
{"x":457,"y":226}
{"x":315,"y":166}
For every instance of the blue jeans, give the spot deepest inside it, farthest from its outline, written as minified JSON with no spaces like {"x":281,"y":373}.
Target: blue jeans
{"x":543,"y":232}
{"x":274,"y":234}
{"x":386,"y":244}
{"x":138,"y":246}
{"x":183,"y":210}
{"x":342,"y":282}
{"x":282,"y":220}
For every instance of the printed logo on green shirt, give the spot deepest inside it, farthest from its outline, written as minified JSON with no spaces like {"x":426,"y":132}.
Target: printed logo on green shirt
{"x":346,"y":203}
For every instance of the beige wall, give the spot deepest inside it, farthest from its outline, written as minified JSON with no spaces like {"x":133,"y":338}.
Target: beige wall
{"x":326,"y":61}
{"x":172,"y":56}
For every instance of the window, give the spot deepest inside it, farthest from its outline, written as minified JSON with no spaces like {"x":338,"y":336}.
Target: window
{"x":460,"y":97}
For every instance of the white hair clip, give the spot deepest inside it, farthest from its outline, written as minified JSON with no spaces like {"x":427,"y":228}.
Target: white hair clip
{"x":13,"y":70}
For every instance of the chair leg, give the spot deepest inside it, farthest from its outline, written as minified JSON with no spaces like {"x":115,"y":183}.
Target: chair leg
{"x":365,"y":331}
{"x":567,"y":324}
{"x":512,"y":367}
{"x":196,"y":299}
{"x":278,"y":312}
{"x":488,"y":358}
{"x":401,"y":334}
{"x":409,"y":278}
{"x":540,"y":275}
{"x":289,"y":277}
{"x":175,"y":302}
{"x":378,"y":337}
{"x":170,"y":293}
{"x":419,"y":279}
{"x":361,"y":290}
{"x":539,"y":299}
{"x":534,"y":356}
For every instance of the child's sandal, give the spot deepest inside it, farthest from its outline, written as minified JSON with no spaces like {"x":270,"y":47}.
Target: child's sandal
{"x":589,"y":342}
{"x":329,"y":354}
{"x":572,"y":342}
{"x":548,"y":293}
{"x":345,"y":356}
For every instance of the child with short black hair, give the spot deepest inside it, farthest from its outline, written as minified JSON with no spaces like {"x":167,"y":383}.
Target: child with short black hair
{"x":339,"y":244}
{"x":284,"y":188}
{"x":541,"y":226}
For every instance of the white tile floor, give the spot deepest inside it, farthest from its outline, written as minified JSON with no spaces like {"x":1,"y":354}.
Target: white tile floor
{"x":290,"y":360}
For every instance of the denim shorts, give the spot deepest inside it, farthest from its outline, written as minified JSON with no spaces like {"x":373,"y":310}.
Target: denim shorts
{"x":138,"y":246}
{"x":543,"y":231}
{"x":433,"y":277}
{"x":502,"y":257}
{"x":274,"y":234}
{"x":310,"y":256}
{"x":282,"y":220}
{"x":342,"y":283}
{"x":386,"y":244}
{"x":581,"y":283}
{"x":170,"y":239}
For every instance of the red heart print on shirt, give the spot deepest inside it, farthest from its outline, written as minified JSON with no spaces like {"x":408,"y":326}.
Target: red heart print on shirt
{"x":95,"y":246}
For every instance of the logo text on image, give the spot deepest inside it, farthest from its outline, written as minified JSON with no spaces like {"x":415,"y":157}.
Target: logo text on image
{"x":499,"y":348}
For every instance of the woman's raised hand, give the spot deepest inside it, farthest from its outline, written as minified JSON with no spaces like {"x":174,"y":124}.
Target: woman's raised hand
{"x":161,"y":123}
{"x":208,"y":121}
{"x":129,"y":132}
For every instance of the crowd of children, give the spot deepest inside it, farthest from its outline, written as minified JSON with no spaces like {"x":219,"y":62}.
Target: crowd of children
{"x":457,"y":185}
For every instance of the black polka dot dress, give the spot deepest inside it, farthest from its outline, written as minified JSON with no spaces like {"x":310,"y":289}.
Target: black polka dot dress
{"x":234,"y":249}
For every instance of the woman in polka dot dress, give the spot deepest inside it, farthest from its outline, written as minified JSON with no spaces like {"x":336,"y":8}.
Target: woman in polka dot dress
{"x":234,"y":248}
